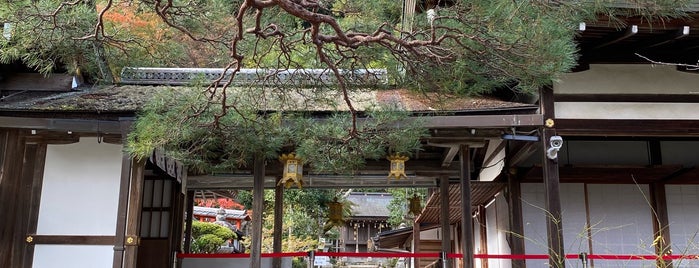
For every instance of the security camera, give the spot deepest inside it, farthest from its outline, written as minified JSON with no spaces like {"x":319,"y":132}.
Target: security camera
{"x":556,"y":143}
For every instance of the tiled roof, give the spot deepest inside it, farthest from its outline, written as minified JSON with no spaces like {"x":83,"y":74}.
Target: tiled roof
{"x":230,"y":213}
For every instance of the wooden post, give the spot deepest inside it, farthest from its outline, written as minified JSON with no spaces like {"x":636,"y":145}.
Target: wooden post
{"x":133,"y":219}
{"x":552,"y":193}
{"x":11,"y":237}
{"x":188,"y":221}
{"x":37,"y":179}
{"x":554,"y":219}
{"x":278,"y":221}
{"x":416,"y":242}
{"x":661,"y":222}
{"x":122,"y":210}
{"x":466,"y":222}
{"x":514,"y":199}
{"x":257,"y":208}
{"x":444,"y":217}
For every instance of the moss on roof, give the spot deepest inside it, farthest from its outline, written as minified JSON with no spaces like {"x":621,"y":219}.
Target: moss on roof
{"x":133,"y":98}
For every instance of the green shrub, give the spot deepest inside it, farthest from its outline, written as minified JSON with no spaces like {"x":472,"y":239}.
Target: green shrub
{"x":207,"y":237}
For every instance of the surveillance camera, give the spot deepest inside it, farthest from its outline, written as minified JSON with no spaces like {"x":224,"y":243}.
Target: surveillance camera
{"x":556,"y":142}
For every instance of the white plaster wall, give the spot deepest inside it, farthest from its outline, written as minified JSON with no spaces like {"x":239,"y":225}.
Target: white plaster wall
{"x":626,"y":110}
{"x":477,"y":226}
{"x":53,"y":256}
{"x":493,"y":168}
{"x":497,"y":230}
{"x":627,"y":79}
{"x":621,"y":223}
{"x":574,"y":221}
{"x":80,"y":190}
{"x":683,"y":215}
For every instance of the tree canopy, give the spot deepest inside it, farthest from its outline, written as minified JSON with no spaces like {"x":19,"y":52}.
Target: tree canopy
{"x":445,"y":46}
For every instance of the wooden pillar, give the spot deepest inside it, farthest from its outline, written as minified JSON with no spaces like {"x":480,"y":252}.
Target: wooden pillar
{"x":554,"y":219}
{"x":416,"y":242}
{"x":36,"y":173}
{"x":11,"y":240}
{"x":188,"y":221}
{"x":444,"y":216}
{"x":257,"y":209}
{"x":482,"y":218}
{"x":661,"y":223}
{"x":133,"y":219}
{"x":278,"y":221}
{"x":122,"y":209}
{"x":466,"y":222}
{"x":514,"y":199}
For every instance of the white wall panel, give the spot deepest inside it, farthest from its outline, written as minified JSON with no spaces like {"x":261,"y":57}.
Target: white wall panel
{"x":80,"y":189}
{"x":683,"y":215}
{"x":497,"y":231}
{"x":627,"y":79}
{"x":620,"y":217}
{"x":626,"y":110}
{"x":574,"y":220}
{"x":53,"y":256}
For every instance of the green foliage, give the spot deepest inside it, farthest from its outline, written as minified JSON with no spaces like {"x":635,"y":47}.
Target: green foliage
{"x":329,"y":147}
{"x":208,"y":237}
{"x":398,"y":206}
{"x":44,"y":41}
{"x":486,"y":43}
{"x":194,"y":129}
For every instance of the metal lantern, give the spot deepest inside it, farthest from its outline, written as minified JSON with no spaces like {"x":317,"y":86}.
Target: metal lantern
{"x":335,"y":217}
{"x":414,"y":206}
{"x":293,"y":171}
{"x":397,"y":166}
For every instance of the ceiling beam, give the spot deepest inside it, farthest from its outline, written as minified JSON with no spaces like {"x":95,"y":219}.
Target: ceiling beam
{"x":630,"y":31}
{"x":679,"y":34}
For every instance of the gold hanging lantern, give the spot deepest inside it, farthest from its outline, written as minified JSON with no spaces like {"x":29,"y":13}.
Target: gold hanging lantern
{"x":414,"y":206}
{"x":397,"y":166}
{"x":335,"y":217}
{"x":293,"y":171}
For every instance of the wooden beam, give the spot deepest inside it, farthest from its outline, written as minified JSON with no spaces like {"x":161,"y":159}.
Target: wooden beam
{"x":72,"y":239}
{"x":257,"y":208}
{"x":627,"y":127}
{"x":466,"y":220}
{"x":682,"y":32}
{"x":450,"y":155}
{"x":416,"y":241}
{"x":36,"y":82}
{"x":482,"y":121}
{"x":643,"y":98}
{"x":74,"y":125}
{"x":630,"y":31}
{"x":610,"y":174}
